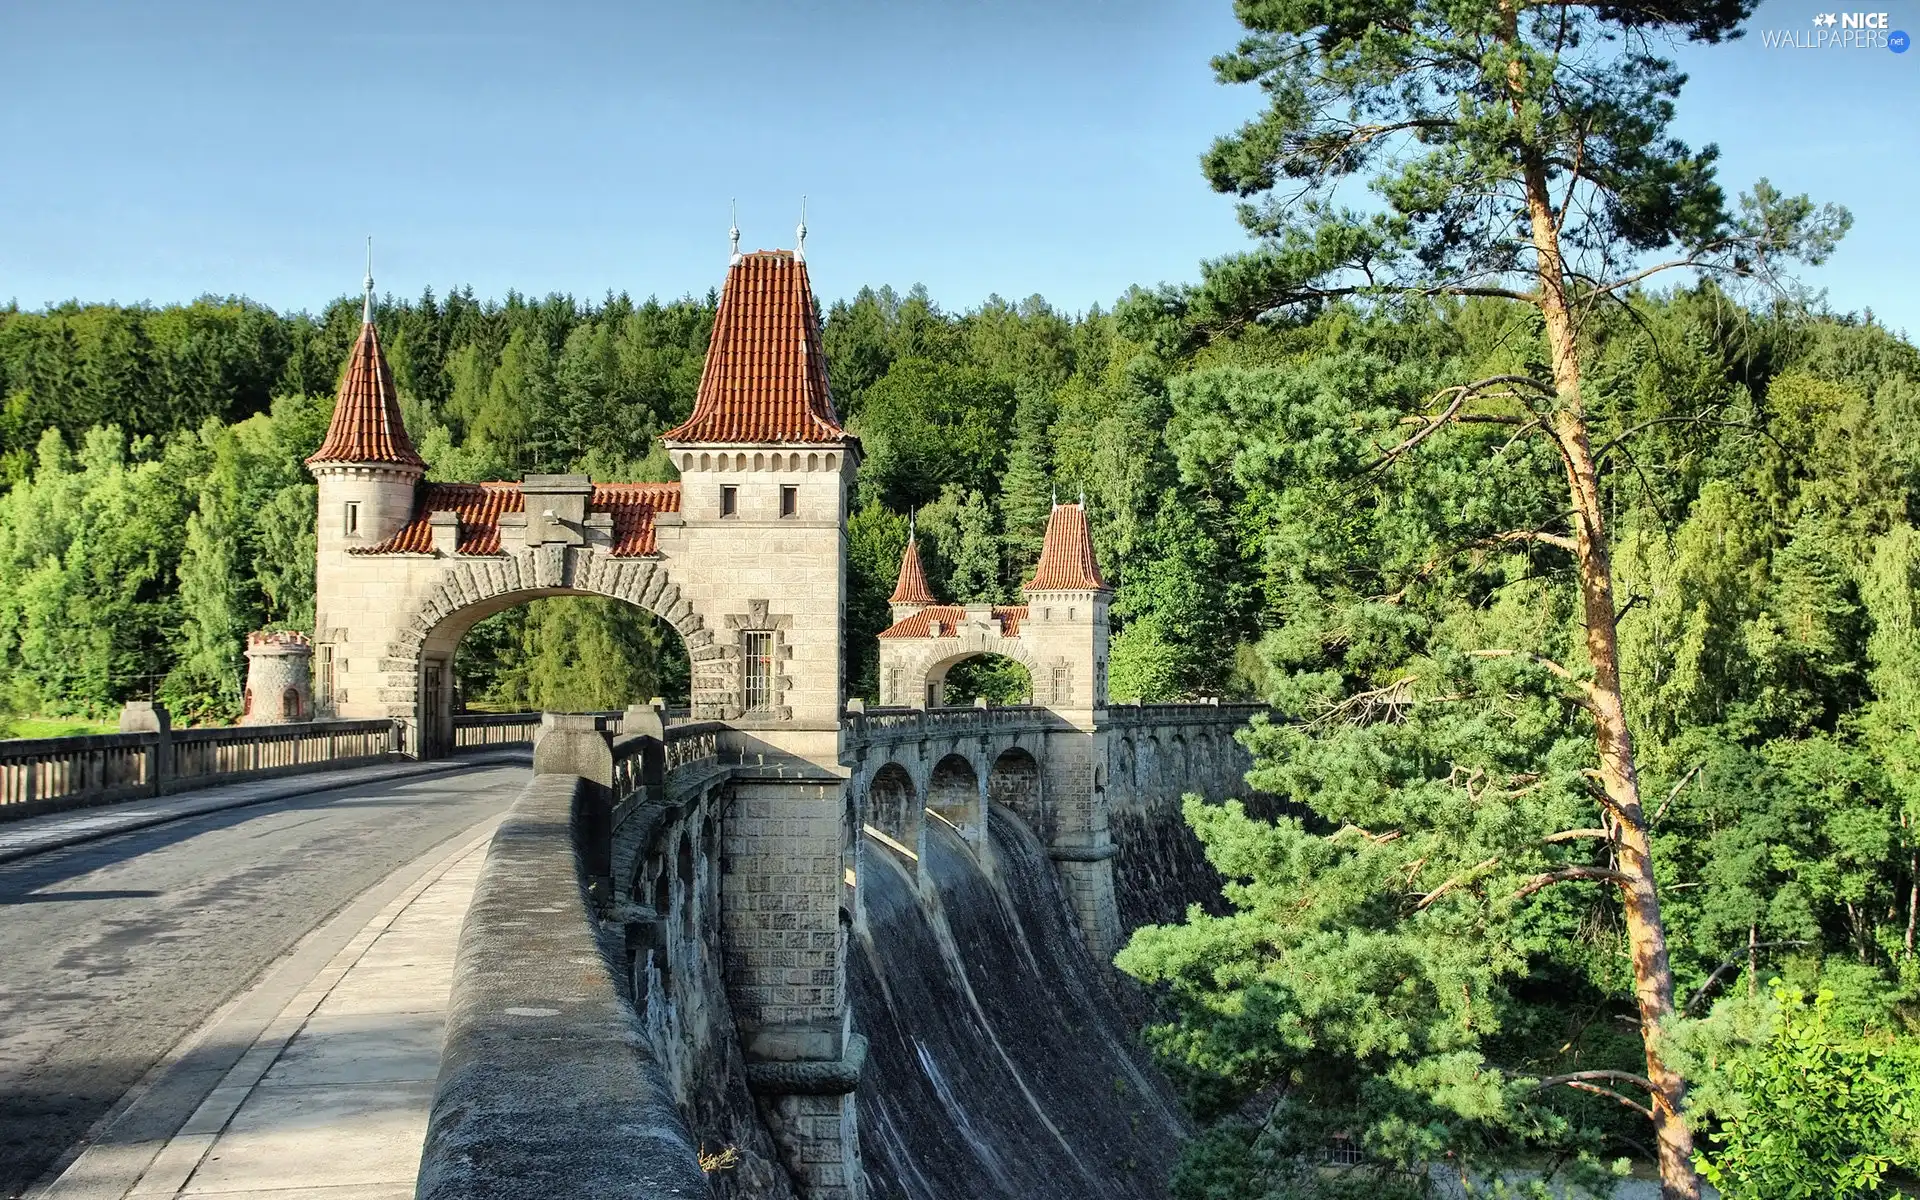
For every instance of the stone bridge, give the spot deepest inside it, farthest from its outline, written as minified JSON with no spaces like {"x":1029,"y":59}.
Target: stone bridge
{"x":1066,"y":781}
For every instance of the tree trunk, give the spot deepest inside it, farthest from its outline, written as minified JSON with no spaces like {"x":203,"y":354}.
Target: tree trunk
{"x":1753,"y":961}
{"x":1913,"y":897}
{"x":1646,"y":934}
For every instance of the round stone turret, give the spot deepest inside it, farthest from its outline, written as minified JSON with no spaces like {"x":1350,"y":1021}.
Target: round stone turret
{"x":279,"y":678}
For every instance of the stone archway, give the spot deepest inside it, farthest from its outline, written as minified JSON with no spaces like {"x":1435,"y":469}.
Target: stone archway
{"x":927,"y":670}
{"x":418,"y":665}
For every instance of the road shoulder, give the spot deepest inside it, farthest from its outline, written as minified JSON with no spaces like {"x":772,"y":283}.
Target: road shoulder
{"x":335,"y":991}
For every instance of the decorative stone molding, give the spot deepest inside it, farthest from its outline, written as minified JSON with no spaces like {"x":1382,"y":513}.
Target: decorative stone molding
{"x":554,"y":567}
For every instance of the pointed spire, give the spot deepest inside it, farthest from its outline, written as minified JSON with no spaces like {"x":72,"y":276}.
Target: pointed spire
{"x":734,"y":234}
{"x":912,"y":586}
{"x":1066,"y":557}
{"x":366,"y":425}
{"x":800,"y":234}
{"x":765,"y":380}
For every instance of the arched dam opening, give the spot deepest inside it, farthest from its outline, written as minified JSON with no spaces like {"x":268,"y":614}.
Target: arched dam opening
{"x":1001,"y":1059}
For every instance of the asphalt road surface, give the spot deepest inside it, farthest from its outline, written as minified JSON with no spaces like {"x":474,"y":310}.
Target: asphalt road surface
{"x":111,"y":952}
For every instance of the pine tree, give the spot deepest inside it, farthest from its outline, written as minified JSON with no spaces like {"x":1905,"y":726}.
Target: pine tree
{"x":1522,"y":153}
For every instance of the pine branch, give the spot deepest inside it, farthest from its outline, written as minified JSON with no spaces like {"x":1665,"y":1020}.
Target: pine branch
{"x":1585,"y":697}
{"x":1566,"y":874}
{"x":1455,"y":882}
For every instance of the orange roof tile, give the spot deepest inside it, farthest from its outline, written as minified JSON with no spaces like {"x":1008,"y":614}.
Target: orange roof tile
{"x":912,"y":588}
{"x":766,"y":377}
{"x":480,"y":506}
{"x":951,"y":617}
{"x":1066,"y":557}
{"x":366,"y":426}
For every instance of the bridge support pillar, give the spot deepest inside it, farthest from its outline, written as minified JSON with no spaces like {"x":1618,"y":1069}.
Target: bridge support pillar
{"x":786,"y":842}
{"x":1081,"y":847}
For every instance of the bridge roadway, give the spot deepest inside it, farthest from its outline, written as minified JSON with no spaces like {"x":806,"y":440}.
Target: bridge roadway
{"x":113,"y":951}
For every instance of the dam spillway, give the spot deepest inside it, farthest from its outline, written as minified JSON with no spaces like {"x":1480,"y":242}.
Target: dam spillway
{"x":1001,"y":1062}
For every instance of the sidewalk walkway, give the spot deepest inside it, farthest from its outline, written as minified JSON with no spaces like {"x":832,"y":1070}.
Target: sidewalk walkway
{"x":331,"y":1101}
{"x":36,"y":835}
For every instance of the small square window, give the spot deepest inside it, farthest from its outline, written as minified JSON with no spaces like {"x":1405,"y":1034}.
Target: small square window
{"x":729,"y":501}
{"x":789,"y":500}
{"x":350,"y":523}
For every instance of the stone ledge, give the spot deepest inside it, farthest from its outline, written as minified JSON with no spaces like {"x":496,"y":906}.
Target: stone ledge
{"x":814,"y":1077}
{"x":547,"y":1086}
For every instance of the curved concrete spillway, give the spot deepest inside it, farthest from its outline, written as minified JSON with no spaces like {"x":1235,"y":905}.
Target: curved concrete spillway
{"x":1000,"y":1063}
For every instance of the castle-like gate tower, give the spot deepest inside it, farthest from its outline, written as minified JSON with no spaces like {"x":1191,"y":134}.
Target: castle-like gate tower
{"x":745,"y":556}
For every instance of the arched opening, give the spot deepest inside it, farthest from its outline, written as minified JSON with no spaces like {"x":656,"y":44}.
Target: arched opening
{"x":893,"y":808}
{"x":953,"y":795}
{"x":290,"y":704}
{"x":569,"y":654}
{"x":959,"y":681}
{"x":552,"y":649}
{"x":1014,"y":784}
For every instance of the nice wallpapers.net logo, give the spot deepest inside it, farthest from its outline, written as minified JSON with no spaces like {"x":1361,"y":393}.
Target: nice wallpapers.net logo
{"x":1841,"y":31}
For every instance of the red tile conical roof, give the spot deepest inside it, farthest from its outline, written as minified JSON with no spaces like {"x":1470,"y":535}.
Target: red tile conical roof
{"x":1066,"y":557}
{"x":912,"y":587}
{"x":766,"y":376}
{"x":366,"y":425}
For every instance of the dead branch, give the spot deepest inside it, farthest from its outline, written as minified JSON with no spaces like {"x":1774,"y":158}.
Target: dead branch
{"x":1535,"y":535}
{"x":1364,"y":708}
{"x":1662,"y":810}
{"x":1566,"y":874}
{"x":1568,"y":835}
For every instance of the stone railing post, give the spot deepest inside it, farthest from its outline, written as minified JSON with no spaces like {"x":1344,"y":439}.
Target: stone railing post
{"x":579,"y":744}
{"x":148,"y":716}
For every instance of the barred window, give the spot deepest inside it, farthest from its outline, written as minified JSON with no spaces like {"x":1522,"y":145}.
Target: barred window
{"x":757,"y":650}
{"x":1343,"y":1151}
{"x":323,"y":676}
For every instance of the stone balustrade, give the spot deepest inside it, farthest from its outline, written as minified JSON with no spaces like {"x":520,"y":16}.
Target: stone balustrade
{"x":45,"y":774}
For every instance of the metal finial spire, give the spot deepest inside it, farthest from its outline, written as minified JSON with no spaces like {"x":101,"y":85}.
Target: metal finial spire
{"x":1056,"y":495}
{"x":910,"y":516}
{"x":734,"y":232}
{"x":366,"y":308}
{"x":1083,"y":498}
{"x":800,"y":234}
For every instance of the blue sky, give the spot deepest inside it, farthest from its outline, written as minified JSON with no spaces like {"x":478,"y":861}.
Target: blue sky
{"x":159,"y":151}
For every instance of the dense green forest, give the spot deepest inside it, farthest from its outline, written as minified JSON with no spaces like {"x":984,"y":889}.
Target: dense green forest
{"x":1559,"y":587}
{"x":1767,"y":561}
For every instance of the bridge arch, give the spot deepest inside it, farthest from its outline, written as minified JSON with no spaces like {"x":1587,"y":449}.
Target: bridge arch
{"x":418,"y":668}
{"x":955,"y":795}
{"x":1016,"y":783}
{"x":893,"y":806}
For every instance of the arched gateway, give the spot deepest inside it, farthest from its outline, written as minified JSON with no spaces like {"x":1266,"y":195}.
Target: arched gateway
{"x":743,"y":556}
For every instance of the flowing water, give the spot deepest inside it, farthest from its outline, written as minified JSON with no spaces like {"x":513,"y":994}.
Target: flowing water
{"x":1000,"y":1063}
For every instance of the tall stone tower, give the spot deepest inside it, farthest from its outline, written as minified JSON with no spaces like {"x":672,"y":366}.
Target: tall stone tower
{"x":367,"y":470}
{"x":766,"y":470}
{"x":1065,"y":626}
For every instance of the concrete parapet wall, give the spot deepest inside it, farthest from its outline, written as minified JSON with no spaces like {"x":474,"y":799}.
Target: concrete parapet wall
{"x":547,"y":1086}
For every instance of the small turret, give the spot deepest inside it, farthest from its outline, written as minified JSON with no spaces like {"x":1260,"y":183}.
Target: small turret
{"x":910,"y":593}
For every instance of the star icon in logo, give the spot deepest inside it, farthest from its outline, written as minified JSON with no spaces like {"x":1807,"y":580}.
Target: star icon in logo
{"x":1826,"y":19}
